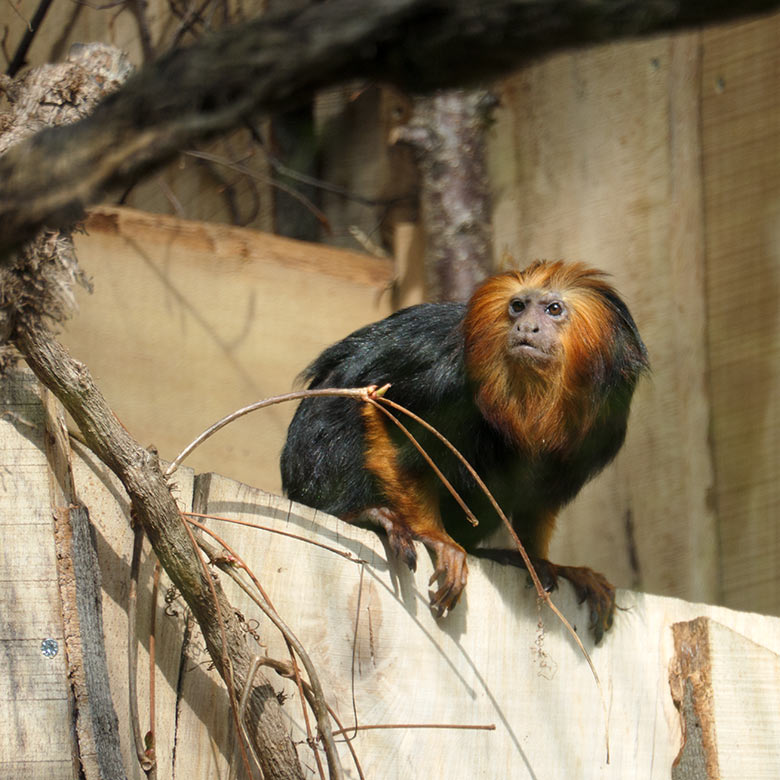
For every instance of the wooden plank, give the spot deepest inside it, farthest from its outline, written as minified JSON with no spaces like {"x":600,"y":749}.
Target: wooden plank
{"x":190,"y":321}
{"x":741,"y":155}
{"x":596,"y":159}
{"x":720,"y":680}
{"x":745,"y":691}
{"x":489,"y":662}
{"x":35,"y":741}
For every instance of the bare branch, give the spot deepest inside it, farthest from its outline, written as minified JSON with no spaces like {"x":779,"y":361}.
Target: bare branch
{"x":281,"y":59}
{"x":155,"y":508}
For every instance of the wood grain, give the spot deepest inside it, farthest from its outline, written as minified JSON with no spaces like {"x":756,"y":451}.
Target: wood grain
{"x":35,"y":741}
{"x":741,"y":157}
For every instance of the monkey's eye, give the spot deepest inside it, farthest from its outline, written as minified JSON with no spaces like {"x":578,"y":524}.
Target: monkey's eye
{"x":516,"y":306}
{"x":554,"y":309}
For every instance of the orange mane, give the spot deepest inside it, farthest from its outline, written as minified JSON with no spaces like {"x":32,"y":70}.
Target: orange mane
{"x":553,"y":406}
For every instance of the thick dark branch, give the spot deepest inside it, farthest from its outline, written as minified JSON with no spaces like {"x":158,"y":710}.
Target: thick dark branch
{"x":275,"y":61}
{"x":156,"y":509}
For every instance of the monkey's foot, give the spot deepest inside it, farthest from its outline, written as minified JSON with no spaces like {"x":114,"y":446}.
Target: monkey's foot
{"x":451,"y":572}
{"x":399,"y":537}
{"x":589,"y":586}
{"x":597,"y":591}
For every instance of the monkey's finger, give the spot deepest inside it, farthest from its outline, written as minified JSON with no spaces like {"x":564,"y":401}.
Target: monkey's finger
{"x":451,"y":567}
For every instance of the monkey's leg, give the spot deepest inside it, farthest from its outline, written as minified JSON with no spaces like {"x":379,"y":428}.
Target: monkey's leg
{"x":589,"y":586}
{"x":412,"y":514}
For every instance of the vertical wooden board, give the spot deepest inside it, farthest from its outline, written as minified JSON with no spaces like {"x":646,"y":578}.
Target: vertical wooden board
{"x":109,"y":511}
{"x":596,"y":159}
{"x":486,"y":663}
{"x":35,"y":738}
{"x":191,"y":321}
{"x":741,"y":155}
{"x":744,"y":691}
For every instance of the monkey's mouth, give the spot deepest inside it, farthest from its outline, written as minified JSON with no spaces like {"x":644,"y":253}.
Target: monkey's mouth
{"x":524,"y":348}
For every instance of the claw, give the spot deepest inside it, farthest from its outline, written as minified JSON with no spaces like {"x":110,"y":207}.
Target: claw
{"x":399,"y":537}
{"x":598,"y":592}
{"x":452,"y":572}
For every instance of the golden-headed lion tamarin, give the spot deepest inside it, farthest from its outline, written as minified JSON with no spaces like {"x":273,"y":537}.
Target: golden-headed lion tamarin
{"x":531,"y":381}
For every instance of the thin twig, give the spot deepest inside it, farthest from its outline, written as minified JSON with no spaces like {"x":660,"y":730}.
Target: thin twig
{"x":360,"y":393}
{"x":320,"y":706}
{"x":20,"y":57}
{"x":250,"y":679}
{"x":343,"y":553}
{"x":354,"y":648}
{"x":309,"y":735}
{"x":469,"y":514}
{"x":541,"y":592}
{"x":466,"y":726}
{"x":319,"y":215}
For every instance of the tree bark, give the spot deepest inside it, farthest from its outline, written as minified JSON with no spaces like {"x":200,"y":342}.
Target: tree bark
{"x":447,"y":132}
{"x":280,"y":60}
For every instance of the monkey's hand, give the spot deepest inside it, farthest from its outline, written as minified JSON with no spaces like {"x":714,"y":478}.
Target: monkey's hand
{"x":597,"y":591}
{"x":589,"y":586}
{"x":451,"y":569}
{"x":451,"y":572}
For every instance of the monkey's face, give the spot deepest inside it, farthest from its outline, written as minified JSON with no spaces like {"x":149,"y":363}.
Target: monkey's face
{"x":537,"y":319}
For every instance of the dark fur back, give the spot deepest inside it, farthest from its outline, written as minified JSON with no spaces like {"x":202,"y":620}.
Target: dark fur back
{"x":322,"y":460}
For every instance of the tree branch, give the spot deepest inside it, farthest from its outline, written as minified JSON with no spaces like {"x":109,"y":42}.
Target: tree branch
{"x":155,"y":508}
{"x":278,"y":60}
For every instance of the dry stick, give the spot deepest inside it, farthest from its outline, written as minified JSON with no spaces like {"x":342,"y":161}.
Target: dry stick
{"x":359,"y":393}
{"x":354,"y":649}
{"x":229,"y":670}
{"x":343,"y":553}
{"x":366,"y":394}
{"x":320,"y":710}
{"x":461,"y":503}
{"x":250,"y":678}
{"x":283,"y":670}
{"x":310,"y":740}
{"x":151,"y":741}
{"x":146,"y":762}
{"x":464,"y":726}
{"x":319,"y":215}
